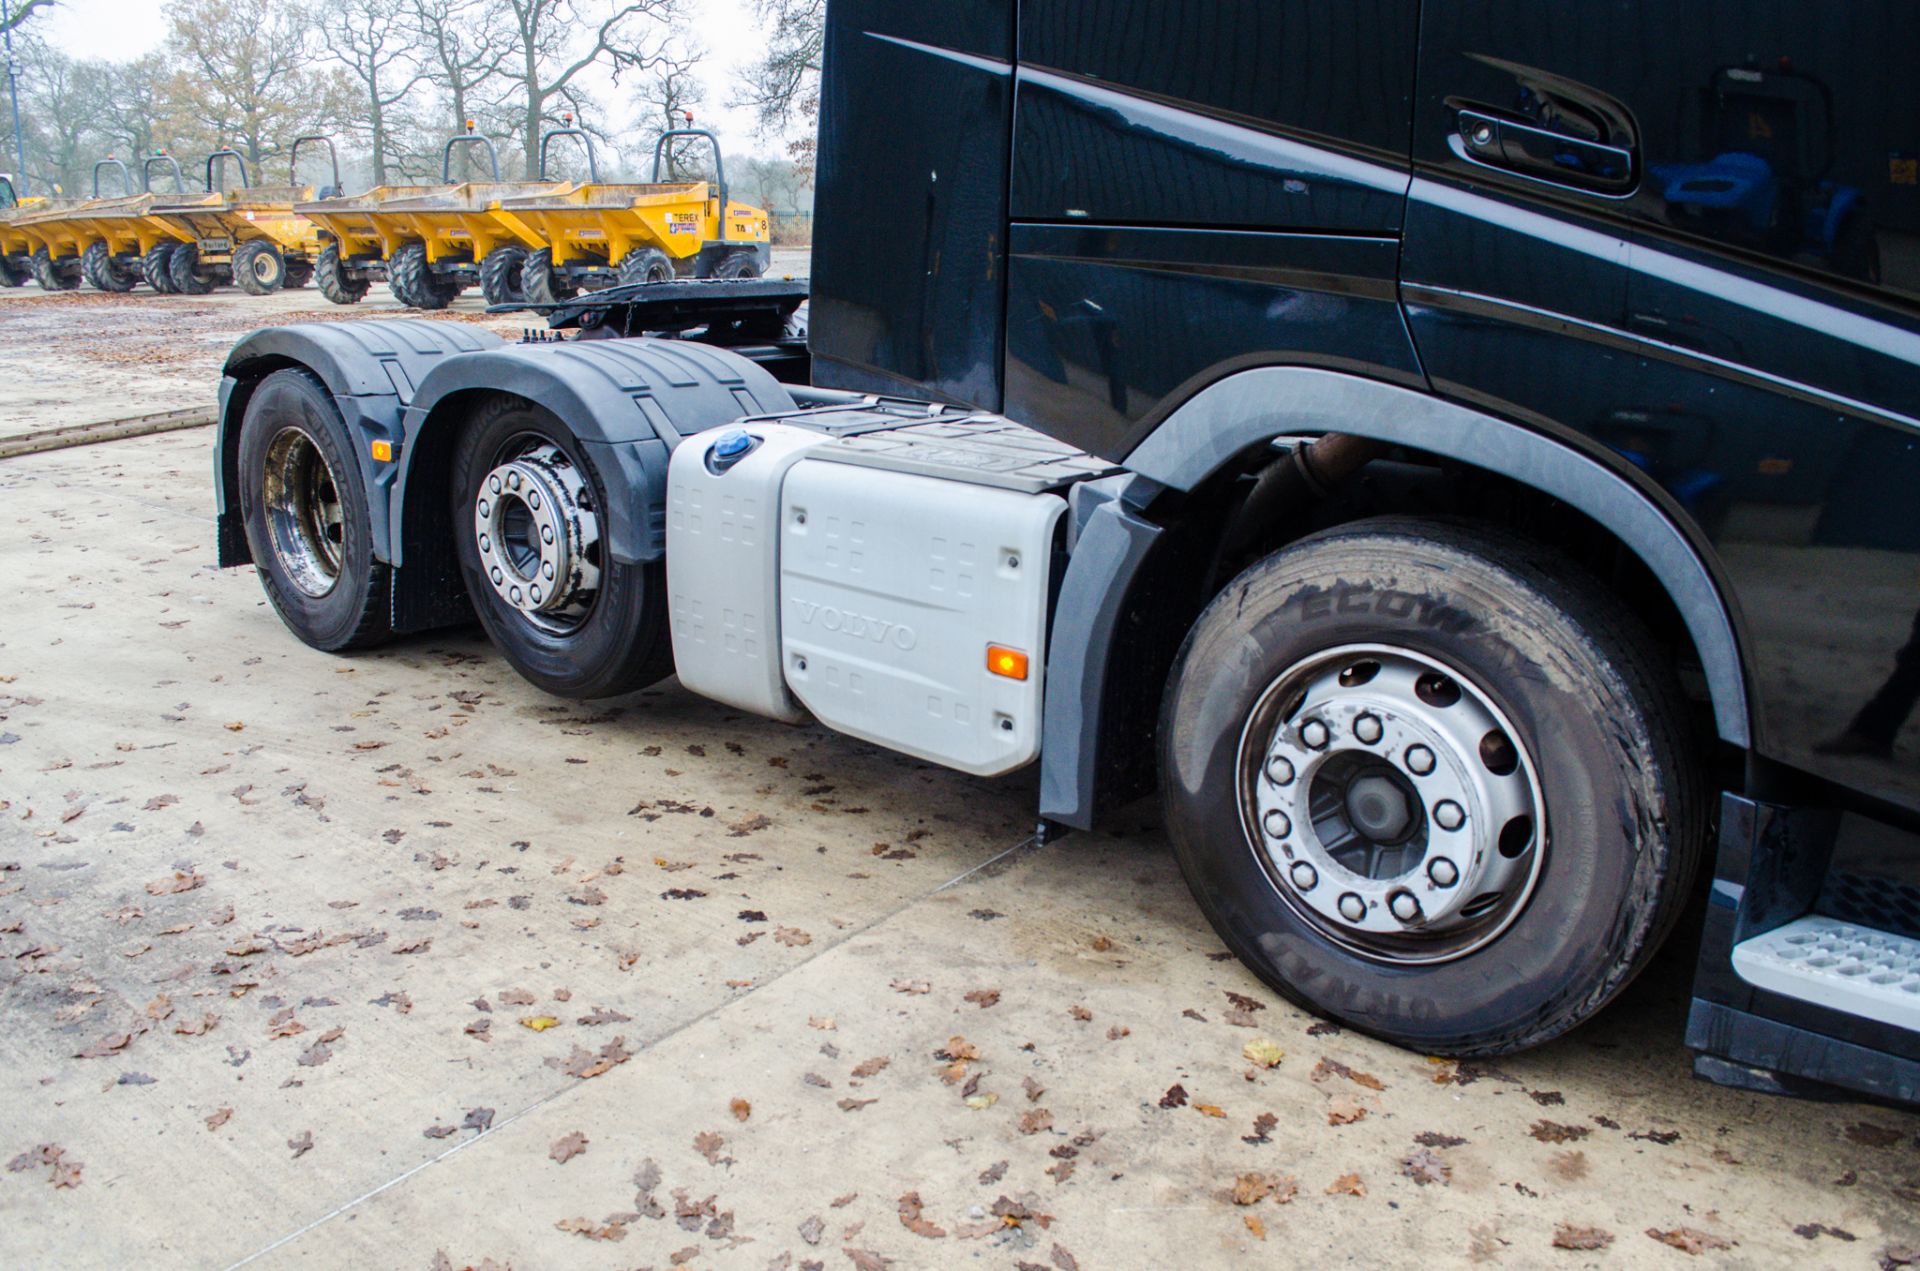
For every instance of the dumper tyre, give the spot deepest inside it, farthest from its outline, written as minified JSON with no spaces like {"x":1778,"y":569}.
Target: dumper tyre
{"x":189,"y":279}
{"x":646,"y":264}
{"x":501,"y":277}
{"x":1432,"y":780}
{"x":93,"y":266}
{"x":157,"y":266}
{"x":11,"y":275}
{"x":335,"y":283}
{"x":299,"y":274}
{"x":55,"y":275}
{"x":306,"y":516}
{"x":543,"y":285}
{"x":258,"y":268}
{"x":603,"y":630}
{"x":738,"y":265}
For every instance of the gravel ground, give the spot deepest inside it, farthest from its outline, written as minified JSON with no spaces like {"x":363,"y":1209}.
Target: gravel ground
{"x":390,"y":961}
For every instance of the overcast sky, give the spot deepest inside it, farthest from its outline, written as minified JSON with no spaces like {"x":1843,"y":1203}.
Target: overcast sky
{"x":123,"y":29}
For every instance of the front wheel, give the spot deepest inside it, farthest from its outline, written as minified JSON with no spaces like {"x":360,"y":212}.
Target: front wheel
{"x":738,"y":265}
{"x":530,"y":529}
{"x":500,"y":276}
{"x":544,"y":285}
{"x":645,"y":264}
{"x":336,"y":284}
{"x":189,"y":278}
{"x":157,"y":265}
{"x":55,"y":275}
{"x":1431,"y":780}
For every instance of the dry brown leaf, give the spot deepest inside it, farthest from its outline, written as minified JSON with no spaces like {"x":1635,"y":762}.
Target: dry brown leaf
{"x":741,"y":1109}
{"x":914,"y":987}
{"x":983,"y":998}
{"x":160,"y":1007}
{"x":912,"y":1220}
{"x":610,"y":1230}
{"x":792,"y":937}
{"x":1035,"y":1120}
{"x":1555,"y":1132}
{"x":1209,"y":1109}
{"x":1347,"y":1185}
{"x":709,"y":1145}
{"x":1690,"y":1239}
{"x":822,"y":1022}
{"x":1261,"y":1051}
{"x":178,"y":883}
{"x":1570,"y":1235}
{"x":568,"y":1146}
{"x":301,"y":1144}
{"x":1345,"y":1110}
{"x":1426,"y":1166}
{"x":1251,"y":1189}
{"x":1254,"y":1225}
{"x":868,"y":1067}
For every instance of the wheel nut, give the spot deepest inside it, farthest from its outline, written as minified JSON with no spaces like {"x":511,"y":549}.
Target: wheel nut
{"x":1277,"y":824}
{"x":533,"y":593}
{"x":1313,"y":734}
{"x":498,"y":577}
{"x":1404,"y":906}
{"x":1449,"y":815}
{"x":514,"y":595}
{"x":1280,"y":770}
{"x":1419,"y":760}
{"x":533,"y":499}
{"x":546,"y":533}
{"x":486,"y":543}
{"x":486,"y":508}
{"x":1304,"y":876}
{"x":1443,"y":872}
{"x":1352,"y":908}
{"x":547,"y":569}
{"x":493,"y":483}
{"x":513,"y":479}
{"x":1367,"y":728}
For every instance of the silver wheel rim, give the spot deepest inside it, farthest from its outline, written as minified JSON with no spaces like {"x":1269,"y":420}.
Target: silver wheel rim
{"x":538,"y":535}
{"x":305,"y":520}
{"x":1391,"y":804}
{"x":265,"y":268}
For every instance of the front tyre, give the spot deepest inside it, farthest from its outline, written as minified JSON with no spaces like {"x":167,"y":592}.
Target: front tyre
{"x":306,"y":516}
{"x":530,"y":531}
{"x":335,"y":283}
{"x":157,"y":265}
{"x":544,"y":284}
{"x":500,"y":276}
{"x":258,"y":268}
{"x":1431,"y":780}
{"x":189,"y":278}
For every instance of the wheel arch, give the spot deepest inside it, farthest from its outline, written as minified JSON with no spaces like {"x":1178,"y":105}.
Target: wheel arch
{"x":1136,"y":548}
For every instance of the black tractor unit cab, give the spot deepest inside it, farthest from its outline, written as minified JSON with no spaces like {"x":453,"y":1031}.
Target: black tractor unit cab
{"x":1464,"y":462}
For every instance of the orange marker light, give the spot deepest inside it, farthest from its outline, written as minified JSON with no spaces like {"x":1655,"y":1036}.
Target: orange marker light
{"x":383,"y":451}
{"x":1010,"y":663}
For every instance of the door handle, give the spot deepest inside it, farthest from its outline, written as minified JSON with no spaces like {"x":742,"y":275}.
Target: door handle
{"x":1543,"y":155}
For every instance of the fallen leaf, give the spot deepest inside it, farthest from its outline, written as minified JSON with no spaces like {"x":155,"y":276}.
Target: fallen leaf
{"x":219,"y":1118}
{"x":741,"y":1109}
{"x":914,"y":987}
{"x":1251,"y":1189}
{"x":1334,"y":1068}
{"x":1689,"y":1239}
{"x":593,"y":1231}
{"x":869,"y":1067}
{"x":538,"y":1023}
{"x":480,"y":1119}
{"x":792,"y":937}
{"x":983,"y":998}
{"x":1255,"y":1226}
{"x":1209,"y":1109}
{"x":1426,"y":1166}
{"x":301,"y":1144}
{"x":1555,"y":1132}
{"x":1034,"y":1120}
{"x":812,"y":1229}
{"x":180,"y":882}
{"x":709,"y":1145}
{"x":567,"y":1146}
{"x":1175,"y":1097}
{"x":912,"y":1219}
{"x":1569,"y":1235}
{"x":1263,"y":1052}
{"x":1347,"y":1185}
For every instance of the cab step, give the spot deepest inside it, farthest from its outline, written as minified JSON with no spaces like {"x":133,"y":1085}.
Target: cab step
{"x":1839,"y":965}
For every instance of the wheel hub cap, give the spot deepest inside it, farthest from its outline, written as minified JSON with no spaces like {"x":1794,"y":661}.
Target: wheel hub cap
{"x":1390,"y":803}
{"x":537,"y":534}
{"x":305,"y":520}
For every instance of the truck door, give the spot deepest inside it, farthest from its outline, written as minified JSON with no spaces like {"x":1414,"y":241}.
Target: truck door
{"x":1690,"y":235}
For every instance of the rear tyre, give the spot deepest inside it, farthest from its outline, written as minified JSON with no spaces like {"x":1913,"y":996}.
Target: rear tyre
{"x":93,"y":263}
{"x":299,"y":274}
{"x":335,"y":283}
{"x":500,"y":276}
{"x":1433,"y":781}
{"x":306,"y":516}
{"x":738,"y":265}
{"x":646,"y":264}
{"x":544,"y":286}
{"x":12,"y":274}
{"x":55,"y":275}
{"x":157,"y":265}
{"x":530,"y":531}
{"x":189,"y":277}
{"x":258,"y":268}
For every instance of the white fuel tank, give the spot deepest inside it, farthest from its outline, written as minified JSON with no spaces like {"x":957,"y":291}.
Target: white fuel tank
{"x":894,"y":587}
{"x":723,"y":572}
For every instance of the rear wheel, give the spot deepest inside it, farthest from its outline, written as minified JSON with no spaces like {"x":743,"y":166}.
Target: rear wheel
{"x":530,"y":531}
{"x":258,"y":268}
{"x":190,"y":278}
{"x":306,"y":516}
{"x":738,"y":265}
{"x":544,"y":286}
{"x":93,"y":266}
{"x":56,"y":275}
{"x":411,"y":278}
{"x":500,"y":276}
{"x":157,"y":265}
{"x":335,"y":283}
{"x":299,"y":274}
{"x":1431,"y":780}
{"x":646,"y":264}
{"x":12,"y":274}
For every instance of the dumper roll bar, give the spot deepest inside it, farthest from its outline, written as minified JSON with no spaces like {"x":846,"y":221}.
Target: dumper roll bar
{"x":234,"y":155}
{"x":719,"y":165}
{"x":146,"y":172}
{"x":293,"y":161}
{"x":467,"y":139}
{"x":593,"y":169}
{"x":126,"y":178}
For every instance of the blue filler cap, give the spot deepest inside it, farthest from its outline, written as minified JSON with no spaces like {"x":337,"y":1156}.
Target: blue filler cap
{"x":732,"y":444}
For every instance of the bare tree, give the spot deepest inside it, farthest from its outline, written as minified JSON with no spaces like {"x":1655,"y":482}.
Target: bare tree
{"x":133,"y":100}
{"x":241,"y":76}
{"x":62,"y":109}
{"x":12,"y":15}
{"x":463,"y":44}
{"x":667,"y":99}
{"x":378,"y":46}
{"x":784,"y":85}
{"x":550,"y":51}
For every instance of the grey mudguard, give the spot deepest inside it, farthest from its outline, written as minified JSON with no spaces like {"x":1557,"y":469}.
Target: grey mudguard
{"x":1252,"y":407}
{"x":372,"y":369}
{"x":629,"y":402}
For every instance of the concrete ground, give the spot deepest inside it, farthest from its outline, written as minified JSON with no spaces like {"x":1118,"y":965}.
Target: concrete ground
{"x":392,"y":962}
